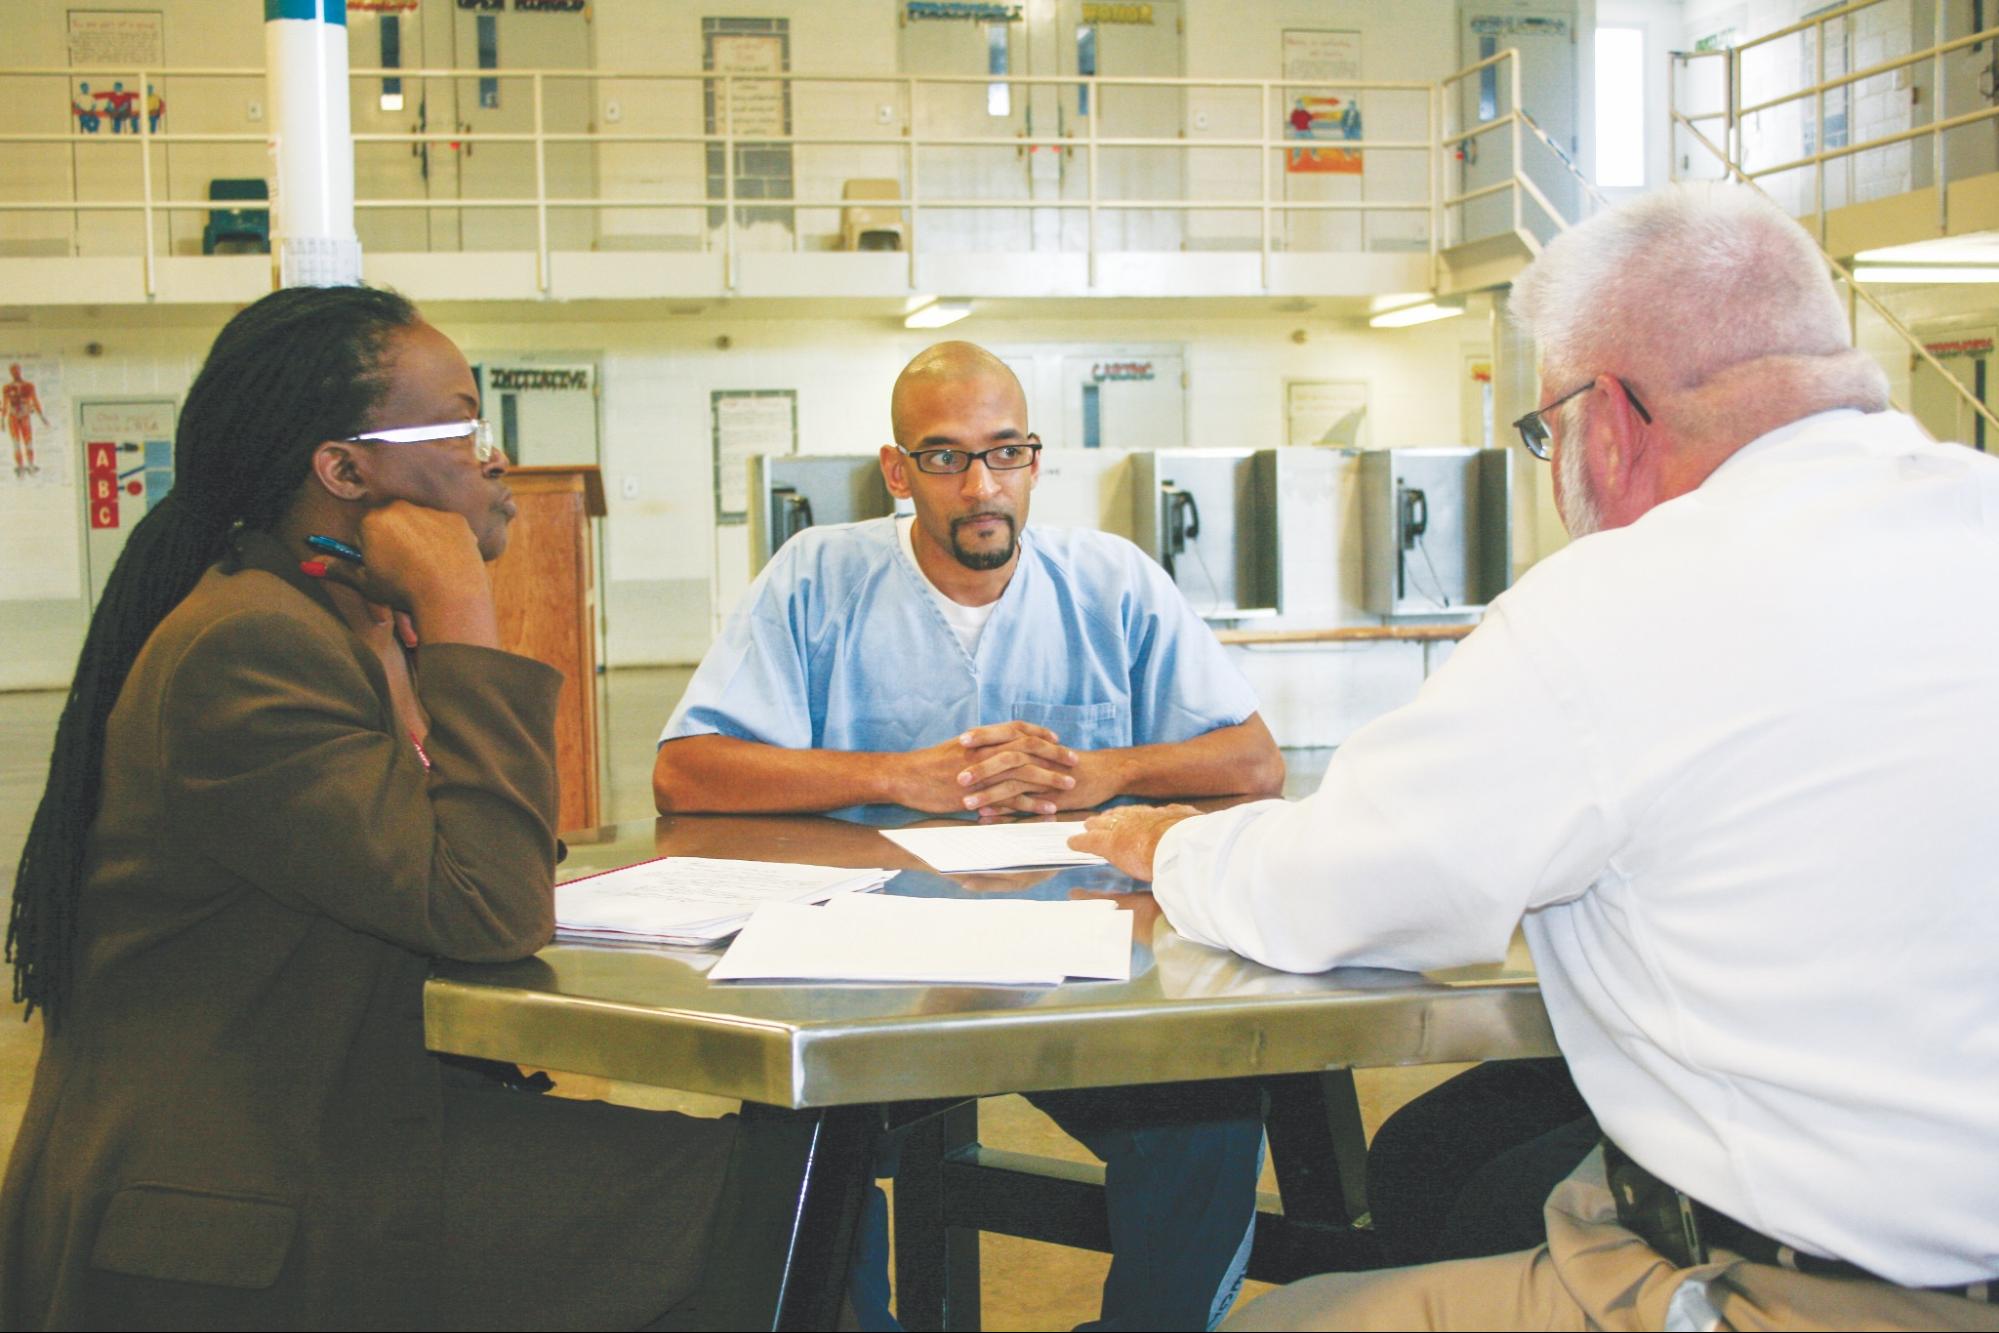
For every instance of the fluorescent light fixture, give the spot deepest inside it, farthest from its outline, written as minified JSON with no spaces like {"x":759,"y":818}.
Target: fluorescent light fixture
{"x":1977,"y":248}
{"x":1414,"y":314}
{"x":937,"y":314}
{"x":1395,"y":301}
{"x":1917,"y":274}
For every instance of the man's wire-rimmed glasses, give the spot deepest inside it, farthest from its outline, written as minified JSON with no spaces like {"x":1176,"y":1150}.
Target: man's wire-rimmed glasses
{"x":484,"y":447}
{"x":1534,"y":431}
{"x":999,"y":458}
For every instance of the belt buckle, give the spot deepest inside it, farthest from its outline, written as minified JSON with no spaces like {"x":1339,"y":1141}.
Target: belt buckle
{"x":1660,"y":1215}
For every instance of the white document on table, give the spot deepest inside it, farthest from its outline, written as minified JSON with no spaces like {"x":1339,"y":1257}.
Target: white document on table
{"x":693,"y":899}
{"x":973,"y":848}
{"x":941,"y":941}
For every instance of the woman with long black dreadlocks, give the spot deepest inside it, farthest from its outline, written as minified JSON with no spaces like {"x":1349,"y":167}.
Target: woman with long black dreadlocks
{"x":266,"y":812}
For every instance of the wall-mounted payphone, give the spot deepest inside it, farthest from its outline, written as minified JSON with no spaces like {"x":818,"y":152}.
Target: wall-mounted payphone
{"x":790,"y":514}
{"x":1209,"y":517}
{"x":791,"y":492}
{"x":1436,"y":529}
{"x":1181,"y":521}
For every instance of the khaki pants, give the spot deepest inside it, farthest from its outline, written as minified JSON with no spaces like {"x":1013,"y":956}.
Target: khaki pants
{"x":1594,"y":1274}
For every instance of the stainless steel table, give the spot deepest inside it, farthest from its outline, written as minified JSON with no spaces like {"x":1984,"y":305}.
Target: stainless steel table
{"x":824,"y":1068}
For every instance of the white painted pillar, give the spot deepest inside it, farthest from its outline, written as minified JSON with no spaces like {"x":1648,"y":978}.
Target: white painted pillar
{"x":312,"y":143}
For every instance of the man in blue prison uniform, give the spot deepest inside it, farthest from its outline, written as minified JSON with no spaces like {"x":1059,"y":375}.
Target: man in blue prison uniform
{"x":954,"y":661}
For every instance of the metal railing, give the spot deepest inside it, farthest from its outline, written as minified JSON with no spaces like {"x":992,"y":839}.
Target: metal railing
{"x":1736,"y":112}
{"x":1268,"y":205}
{"x":912,"y":143}
{"x":1727,"y":155}
{"x":144,"y":137}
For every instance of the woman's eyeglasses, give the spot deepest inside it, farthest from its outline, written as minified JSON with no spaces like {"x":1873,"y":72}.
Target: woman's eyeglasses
{"x":484,"y":447}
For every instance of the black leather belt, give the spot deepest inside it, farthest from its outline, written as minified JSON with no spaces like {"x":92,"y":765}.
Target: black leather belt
{"x":1682,"y":1228}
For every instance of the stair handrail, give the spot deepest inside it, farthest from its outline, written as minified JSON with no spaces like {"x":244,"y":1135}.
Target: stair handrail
{"x":1596,"y":196}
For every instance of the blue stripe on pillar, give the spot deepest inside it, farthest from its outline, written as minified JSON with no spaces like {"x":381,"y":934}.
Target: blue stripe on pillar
{"x":329,"y":11}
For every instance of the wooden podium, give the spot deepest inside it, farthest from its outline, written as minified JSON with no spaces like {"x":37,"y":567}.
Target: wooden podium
{"x":545,"y":590}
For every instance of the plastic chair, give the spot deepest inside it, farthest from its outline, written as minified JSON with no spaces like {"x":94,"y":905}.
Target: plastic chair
{"x":237,"y":224}
{"x":869,"y":228}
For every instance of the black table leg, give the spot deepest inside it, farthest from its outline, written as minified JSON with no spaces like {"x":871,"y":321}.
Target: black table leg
{"x":784,"y":1236}
{"x":936,"y":1265}
{"x":1318,"y":1146}
{"x":1318,"y":1149}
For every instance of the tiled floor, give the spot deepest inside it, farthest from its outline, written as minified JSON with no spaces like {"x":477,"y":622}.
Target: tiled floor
{"x":1025,"y":1286}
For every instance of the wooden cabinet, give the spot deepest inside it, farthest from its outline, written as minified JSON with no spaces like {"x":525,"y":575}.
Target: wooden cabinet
{"x":545,"y":589}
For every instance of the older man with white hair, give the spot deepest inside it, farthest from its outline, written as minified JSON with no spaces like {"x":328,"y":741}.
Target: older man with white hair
{"x":1729,"y":762}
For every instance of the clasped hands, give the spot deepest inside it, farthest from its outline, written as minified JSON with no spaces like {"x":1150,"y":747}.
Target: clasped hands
{"x":1006,"y":768}
{"x":1018,"y":768}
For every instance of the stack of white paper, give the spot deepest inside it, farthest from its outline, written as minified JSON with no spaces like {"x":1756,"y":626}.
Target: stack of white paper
{"x":693,"y":899}
{"x":972,"y":848}
{"x":945,"y":941}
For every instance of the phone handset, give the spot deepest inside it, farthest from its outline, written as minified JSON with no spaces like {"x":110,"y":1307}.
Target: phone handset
{"x":1414,"y":512}
{"x":793,"y":514}
{"x":1415,"y":516}
{"x":1183,"y":522}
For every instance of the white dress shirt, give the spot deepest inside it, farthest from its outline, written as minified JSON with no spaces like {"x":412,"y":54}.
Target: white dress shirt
{"x":1737,"y":767}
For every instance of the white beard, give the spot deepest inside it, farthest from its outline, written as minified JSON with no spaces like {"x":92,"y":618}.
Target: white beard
{"x":1581,"y":513}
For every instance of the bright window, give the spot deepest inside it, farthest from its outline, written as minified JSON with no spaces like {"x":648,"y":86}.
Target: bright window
{"x":999,"y":96}
{"x":1620,"y":107}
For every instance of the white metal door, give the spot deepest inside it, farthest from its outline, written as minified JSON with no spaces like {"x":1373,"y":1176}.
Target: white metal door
{"x":398,"y":106}
{"x":967,"y":111}
{"x":1145,"y":42}
{"x":487,"y":103}
{"x":1545,"y":37}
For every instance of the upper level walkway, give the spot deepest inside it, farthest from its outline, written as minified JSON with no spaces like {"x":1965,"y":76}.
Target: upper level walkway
{"x":618,"y":185}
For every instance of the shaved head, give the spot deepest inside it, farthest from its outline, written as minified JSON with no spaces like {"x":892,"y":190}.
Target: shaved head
{"x":948,"y":363}
{"x":964,"y":458}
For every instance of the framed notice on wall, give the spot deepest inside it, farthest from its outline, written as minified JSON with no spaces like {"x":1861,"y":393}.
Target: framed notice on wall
{"x":1316,"y":107}
{"x":123,"y":39}
{"x":748,"y":422}
{"x":755,"y":106}
{"x":1325,"y":412}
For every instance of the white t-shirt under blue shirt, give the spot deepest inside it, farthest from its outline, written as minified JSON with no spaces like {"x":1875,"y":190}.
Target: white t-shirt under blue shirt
{"x":967,"y":622}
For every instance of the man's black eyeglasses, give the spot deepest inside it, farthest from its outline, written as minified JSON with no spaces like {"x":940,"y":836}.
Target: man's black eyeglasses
{"x":1534,"y":431}
{"x":999,"y":458}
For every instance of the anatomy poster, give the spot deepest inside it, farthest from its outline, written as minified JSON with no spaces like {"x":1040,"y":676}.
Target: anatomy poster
{"x":39,"y":559}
